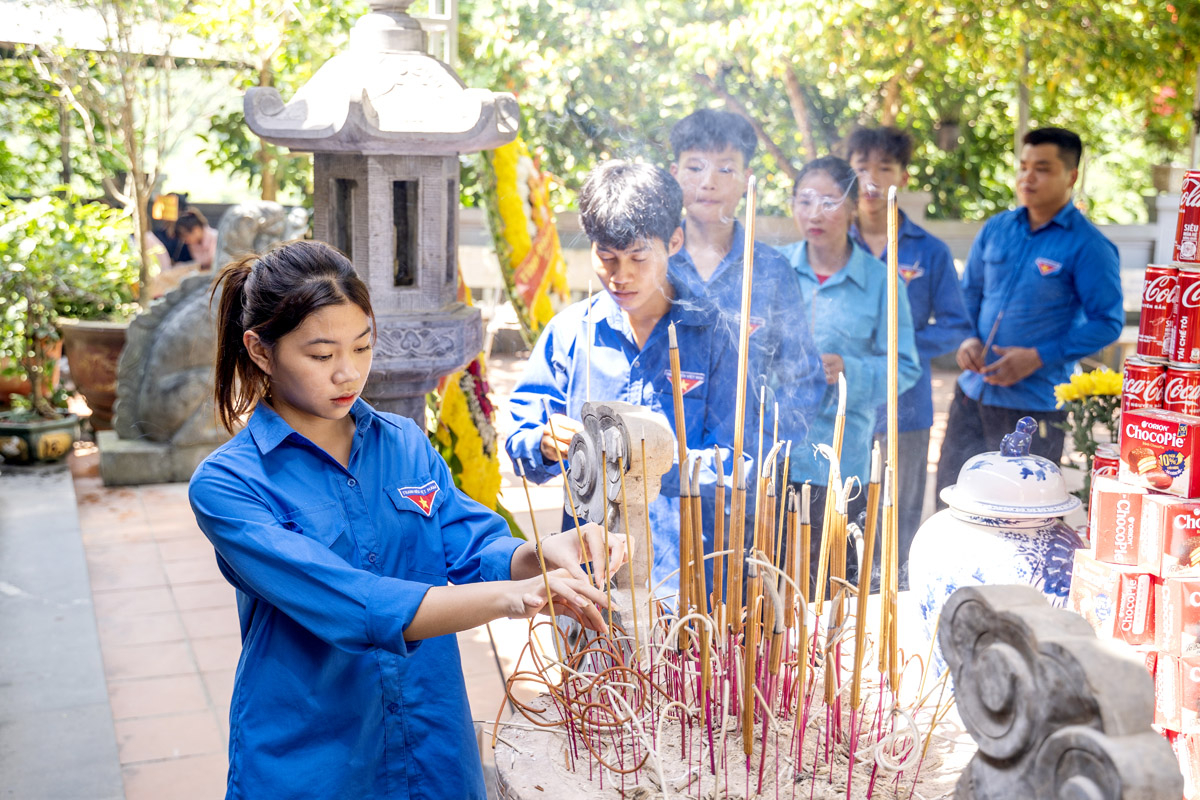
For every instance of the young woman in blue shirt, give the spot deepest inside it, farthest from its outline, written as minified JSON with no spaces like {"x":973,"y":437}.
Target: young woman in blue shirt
{"x":847,"y":292}
{"x":354,"y":557}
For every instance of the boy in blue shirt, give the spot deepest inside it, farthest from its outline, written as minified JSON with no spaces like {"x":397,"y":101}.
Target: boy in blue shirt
{"x":880,"y":157}
{"x":1042,"y":288}
{"x":631,"y":214}
{"x":712,"y":156}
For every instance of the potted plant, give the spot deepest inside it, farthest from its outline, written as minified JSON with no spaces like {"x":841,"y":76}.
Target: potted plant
{"x":54,"y":255}
{"x":101,"y":283}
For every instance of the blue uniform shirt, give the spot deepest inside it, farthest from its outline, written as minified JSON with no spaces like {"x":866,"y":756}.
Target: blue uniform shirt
{"x":1059,"y":289}
{"x":330,"y":564}
{"x":557,"y":371}
{"x":849,"y":316}
{"x":939,"y":317}
{"x":781,"y":345}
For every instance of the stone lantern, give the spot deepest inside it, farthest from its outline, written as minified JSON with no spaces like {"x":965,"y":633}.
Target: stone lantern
{"x":386,"y":123}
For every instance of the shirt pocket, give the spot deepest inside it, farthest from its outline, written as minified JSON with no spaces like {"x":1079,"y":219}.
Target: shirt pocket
{"x":325,"y":523}
{"x":417,"y":529}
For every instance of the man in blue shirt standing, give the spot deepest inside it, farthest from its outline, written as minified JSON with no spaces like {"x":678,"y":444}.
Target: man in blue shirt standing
{"x":712,"y":157}
{"x":1042,"y":288}
{"x":880,"y":157}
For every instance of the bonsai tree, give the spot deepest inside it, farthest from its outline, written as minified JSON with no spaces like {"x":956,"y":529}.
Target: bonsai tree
{"x":58,"y":258}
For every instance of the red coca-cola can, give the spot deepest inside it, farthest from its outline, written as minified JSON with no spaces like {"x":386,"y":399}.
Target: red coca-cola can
{"x":1182,"y":390}
{"x":1160,"y":293}
{"x":1143,"y":384}
{"x":1185,"y":325}
{"x":1187,"y":229}
{"x":1106,"y":461}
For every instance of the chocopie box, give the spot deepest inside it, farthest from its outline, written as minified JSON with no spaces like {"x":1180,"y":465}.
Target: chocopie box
{"x":1177,"y":626}
{"x":1187,"y":750}
{"x":1095,"y":592}
{"x":1159,"y":451}
{"x":1116,"y":520}
{"x":1168,"y":692}
{"x":1189,"y":677}
{"x":1169,"y":538}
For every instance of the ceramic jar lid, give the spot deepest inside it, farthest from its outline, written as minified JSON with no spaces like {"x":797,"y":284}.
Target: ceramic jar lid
{"x":1011,"y":483}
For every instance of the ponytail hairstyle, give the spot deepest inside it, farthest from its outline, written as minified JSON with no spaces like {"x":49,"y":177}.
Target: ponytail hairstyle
{"x":272,"y":294}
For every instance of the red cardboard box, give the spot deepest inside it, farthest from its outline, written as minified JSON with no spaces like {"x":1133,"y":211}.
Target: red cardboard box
{"x":1159,"y":451}
{"x":1116,"y":520}
{"x":1178,"y":618}
{"x":1189,"y":713}
{"x":1187,"y":750}
{"x":1167,"y":693}
{"x":1095,"y":592}
{"x":1135,"y":621}
{"x":1169,"y":539}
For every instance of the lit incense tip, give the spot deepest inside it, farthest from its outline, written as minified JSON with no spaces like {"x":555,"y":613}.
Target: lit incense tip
{"x":672,"y":342}
{"x":841,"y":408}
{"x":876,"y":463}
{"x":891,"y":195}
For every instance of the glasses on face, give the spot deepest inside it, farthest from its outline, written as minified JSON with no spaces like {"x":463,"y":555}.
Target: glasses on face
{"x":810,"y":202}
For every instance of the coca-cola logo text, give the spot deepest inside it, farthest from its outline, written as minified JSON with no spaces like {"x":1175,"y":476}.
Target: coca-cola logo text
{"x":1161,"y":291}
{"x":1191,"y":191}
{"x":1190,"y":297}
{"x":1181,"y":389}
{"x":1145,"y":388}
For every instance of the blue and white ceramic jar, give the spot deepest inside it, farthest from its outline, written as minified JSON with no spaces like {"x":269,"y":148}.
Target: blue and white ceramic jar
{"x":1004,"y":526}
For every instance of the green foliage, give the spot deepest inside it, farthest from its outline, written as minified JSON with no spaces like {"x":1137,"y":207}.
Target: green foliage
{"x":59,"y":258}
{"x":600,"y":78}
{"x":278,"y":43}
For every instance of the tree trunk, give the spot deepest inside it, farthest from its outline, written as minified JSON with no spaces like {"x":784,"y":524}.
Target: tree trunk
{"x":890,"y":101}
{"x":64,"y":142}
{"x":270,"y":186}
{"x":1022,"y":103}
{"x":795,"y":94}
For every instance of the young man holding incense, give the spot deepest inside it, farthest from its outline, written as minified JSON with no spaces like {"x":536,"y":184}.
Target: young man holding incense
{"x":880,"y":157}
{"x":1042,"y":288}
{"x":631,"y":213}
{"x":712,"y":156}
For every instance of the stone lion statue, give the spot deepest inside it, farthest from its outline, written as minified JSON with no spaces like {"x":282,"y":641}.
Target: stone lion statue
{"x":165,"y":374}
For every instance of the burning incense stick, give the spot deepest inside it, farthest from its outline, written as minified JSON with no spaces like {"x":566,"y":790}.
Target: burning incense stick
{"x":637,"y":639}
{"x":893,"y":424}
{"x":737,"y":543}
{"x":685,"y":511}
{"x":793,"y":559}
{"x":805,"y":537}
{"x":649,"y":538}
{"x":739,"y":414}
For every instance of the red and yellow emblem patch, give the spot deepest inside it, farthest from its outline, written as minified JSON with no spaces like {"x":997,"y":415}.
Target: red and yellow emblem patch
{"x":690,"y":380}
{"x":422,"y":496}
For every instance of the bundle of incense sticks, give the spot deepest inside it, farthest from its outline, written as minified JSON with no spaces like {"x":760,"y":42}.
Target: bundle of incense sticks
{"x":891,"y":549}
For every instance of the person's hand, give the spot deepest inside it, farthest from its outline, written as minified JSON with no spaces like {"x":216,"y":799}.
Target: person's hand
{"x":572,"y":597}
{"x":1014,"y":365}
{"x":833,"y":365}
{"x":562,"y":551}
{"x":556,"y":444}
{"x":970,"y":355}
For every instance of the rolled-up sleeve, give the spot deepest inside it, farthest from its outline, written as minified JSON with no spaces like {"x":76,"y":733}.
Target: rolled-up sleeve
{"x":349,"y":608}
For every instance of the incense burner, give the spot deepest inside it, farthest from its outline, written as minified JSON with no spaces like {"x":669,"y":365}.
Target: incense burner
{"x":1004,"y":526}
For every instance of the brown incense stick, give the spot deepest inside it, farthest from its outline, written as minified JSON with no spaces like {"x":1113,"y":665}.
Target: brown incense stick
{"x":893,"y":419}
{"x":685,"y":511}
{"x":864,"y":580}
{"x":570,"y":495}
{"x":637,"y":639}
{"x":835,"y":474}
{"x":793,"y":559}
{"x":649,"y":544}
{"x":718,"y":599}
{"x":537,"y":540}
{"x":699,"y":583}
{"x":805,"y":538}
{"x":739,"y":414}
{"x":737,"y":543}
{"x":684,"y":598}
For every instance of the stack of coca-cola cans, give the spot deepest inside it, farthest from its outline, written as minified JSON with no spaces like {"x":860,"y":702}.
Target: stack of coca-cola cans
{"x":1166,"y":371}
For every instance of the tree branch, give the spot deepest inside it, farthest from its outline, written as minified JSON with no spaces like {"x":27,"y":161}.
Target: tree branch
{"x":795,"y":94}
{"x":736,"y":106}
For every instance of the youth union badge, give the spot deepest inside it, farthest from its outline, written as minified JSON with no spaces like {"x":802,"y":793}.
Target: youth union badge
{"x":690,"y":380}
{"x":1047,"y":267}
{"x":422,"y":496}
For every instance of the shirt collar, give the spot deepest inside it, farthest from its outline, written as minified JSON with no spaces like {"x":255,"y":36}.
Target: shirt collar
{"x":270,"y":430}
{"x":1065,"y":218}
{"x":855,"y":269}
{"x":737,"y":248}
